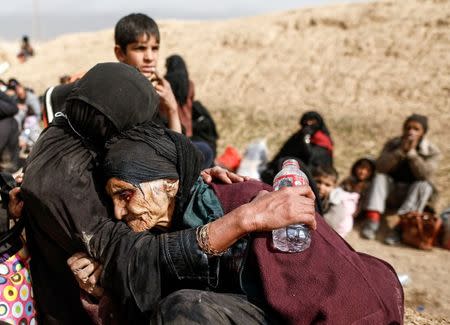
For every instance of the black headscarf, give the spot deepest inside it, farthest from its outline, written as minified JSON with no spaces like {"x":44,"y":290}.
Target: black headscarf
{"x":149,"y":152}
{"x":179,"y":82}
{"x":118,"y":91}
{"x":176,"y":63}
{"x":320,"y":122}
{"x":178,"y":77}
{"x":55,"y":99}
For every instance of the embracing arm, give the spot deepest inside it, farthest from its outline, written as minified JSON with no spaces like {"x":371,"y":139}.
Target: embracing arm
{"x":268,"y":211}
{"x":223,"y":175}
{"x":183,"y":256}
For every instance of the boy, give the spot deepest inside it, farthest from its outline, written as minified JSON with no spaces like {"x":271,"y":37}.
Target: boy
{"x":137,"y":44}
{"x":137,"y":41}
{"x":338,"y":205}
{"x":404,"y":175}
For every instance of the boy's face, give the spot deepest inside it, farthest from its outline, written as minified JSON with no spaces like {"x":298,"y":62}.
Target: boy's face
{"x":142,"y":54}
{"x":325,"y":185}
{"x":413,"y":131}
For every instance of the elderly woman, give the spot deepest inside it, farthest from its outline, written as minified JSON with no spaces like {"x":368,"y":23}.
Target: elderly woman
{"x":152,"y":174}
{"x":153,"y":179}
{"x":65,"y":209}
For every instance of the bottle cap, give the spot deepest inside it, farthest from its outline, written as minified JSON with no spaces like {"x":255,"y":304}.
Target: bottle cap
{"x":291,"y":162}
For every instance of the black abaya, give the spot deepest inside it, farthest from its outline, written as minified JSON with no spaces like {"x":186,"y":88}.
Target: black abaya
{"x":65,"y":211}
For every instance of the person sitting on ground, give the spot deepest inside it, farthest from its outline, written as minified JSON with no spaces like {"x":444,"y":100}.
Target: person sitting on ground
{"x":183,"y":89}
{"x":361,"y":175}
{"x":137,"y":41}
{"x":9,"y":134}
{"x":403,"y":176}
{"x":311,"y":144}
{"x":338,"y":205}
{"x":26,"y":98}
{"x":143,"y":168}
{"x":26,"y":50}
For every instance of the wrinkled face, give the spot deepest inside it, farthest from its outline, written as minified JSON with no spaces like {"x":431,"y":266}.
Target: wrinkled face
{"x":325,"y":184}
{"x":363,"y":171}
{"x":413,"y":131}
{"x":142,"y":54}
{"x":143,"y":210}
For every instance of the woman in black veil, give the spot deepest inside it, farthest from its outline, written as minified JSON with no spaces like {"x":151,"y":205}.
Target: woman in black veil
{"x":65,"y":209}
{"x":151,"y":170}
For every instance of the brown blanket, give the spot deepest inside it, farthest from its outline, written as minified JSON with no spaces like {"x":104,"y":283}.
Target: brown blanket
{"x":329,"y":283}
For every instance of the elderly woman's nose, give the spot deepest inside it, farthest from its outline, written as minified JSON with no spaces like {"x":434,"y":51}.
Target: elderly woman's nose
{"x":119,"y":211}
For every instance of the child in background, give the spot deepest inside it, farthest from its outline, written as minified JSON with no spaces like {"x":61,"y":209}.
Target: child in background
{"x":338,"y":205}
{"x":361,"y":175}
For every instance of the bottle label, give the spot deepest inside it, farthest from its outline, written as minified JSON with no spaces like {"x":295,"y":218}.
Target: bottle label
{"x":290,"y":180}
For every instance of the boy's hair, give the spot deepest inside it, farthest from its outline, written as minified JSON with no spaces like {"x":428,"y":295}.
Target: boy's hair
{"x":326,"y":170}
{"x":129,"y":28}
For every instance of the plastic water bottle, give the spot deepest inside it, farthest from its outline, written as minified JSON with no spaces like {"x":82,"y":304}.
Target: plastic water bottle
{"x":404,"y":279}
{"x":294,"y":238}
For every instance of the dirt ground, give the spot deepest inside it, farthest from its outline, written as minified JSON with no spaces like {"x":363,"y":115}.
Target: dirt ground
{"x":427,"y":291}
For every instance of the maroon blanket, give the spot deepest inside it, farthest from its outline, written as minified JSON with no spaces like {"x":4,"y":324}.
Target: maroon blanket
{"x":329,"y":283}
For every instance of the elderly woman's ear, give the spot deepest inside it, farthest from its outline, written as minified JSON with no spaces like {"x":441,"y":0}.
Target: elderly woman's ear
{"x":171,"y":187}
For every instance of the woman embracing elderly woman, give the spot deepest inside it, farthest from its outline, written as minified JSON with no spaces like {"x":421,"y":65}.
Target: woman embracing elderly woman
{"x":228,"y":272}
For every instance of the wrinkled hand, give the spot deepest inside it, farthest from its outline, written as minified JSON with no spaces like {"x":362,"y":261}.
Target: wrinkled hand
{"x":221,"y":174}
{"x":278,"y":209}
{"x":15,"y":204}
{"x":87,"y":272}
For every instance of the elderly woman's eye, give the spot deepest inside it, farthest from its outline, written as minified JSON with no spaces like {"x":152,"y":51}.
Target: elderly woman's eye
{"x":126,"y":195}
